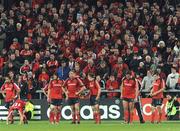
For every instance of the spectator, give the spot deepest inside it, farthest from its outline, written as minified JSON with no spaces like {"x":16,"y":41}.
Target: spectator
{"x":172,"y":79}
{"x":63,"y":71}
{"x":25,"y":68}
{"x":103,"y":70}
{"x":96,"y":31}
{"x":147,"y":82}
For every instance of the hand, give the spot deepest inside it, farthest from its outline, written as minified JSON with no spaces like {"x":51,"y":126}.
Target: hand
{"x":48,"y":100}
{"x":77,"y":93}
{"x":135,"y":100}
{"x":66,"y":98}
{"x":97,"y":98}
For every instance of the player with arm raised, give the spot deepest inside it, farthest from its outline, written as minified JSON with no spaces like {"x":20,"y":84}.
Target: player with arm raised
{"x":129,"y":93}
{"x":95,"y":92}
{"x":157,"y":96}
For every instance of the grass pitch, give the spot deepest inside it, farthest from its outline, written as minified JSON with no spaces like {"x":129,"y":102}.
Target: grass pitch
{"x":90,"y":126}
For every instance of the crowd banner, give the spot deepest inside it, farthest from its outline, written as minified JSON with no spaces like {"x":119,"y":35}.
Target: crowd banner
{"x":111,"y":109}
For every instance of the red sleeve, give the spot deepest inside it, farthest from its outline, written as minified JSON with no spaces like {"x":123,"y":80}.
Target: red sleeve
{"x":85,"y":70}
{"x":50,"y":85}
{"x":97,"y":85}
{"x":107,"y":84}
{"x":80,"y":83}
{"x":115,"y":85}
{"x":16,"y":86}
{"x":3,"y":87}
{"x":65,"y":83}
{"x":39,"y":78}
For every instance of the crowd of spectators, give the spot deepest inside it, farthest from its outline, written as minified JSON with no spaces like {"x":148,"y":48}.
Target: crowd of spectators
{"x":105,"y":37}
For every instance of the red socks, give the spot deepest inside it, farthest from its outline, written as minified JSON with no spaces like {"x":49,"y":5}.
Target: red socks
{"x":95,"y":117}
{"x":98,"y":118}
{"x":152,"y":117}
{"x":73,"y":117}
{"x":51,"y":117}
{"x":160,"y":116}
{"x":58,"y":117}
{"x":131,"y":117}
{"x":126,"y":115}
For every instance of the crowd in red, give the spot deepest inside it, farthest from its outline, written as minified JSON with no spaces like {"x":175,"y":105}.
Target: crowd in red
{"x":103,"y":37}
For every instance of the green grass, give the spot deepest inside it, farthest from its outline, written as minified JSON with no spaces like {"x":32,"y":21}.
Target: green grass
{"x":89,"y":126}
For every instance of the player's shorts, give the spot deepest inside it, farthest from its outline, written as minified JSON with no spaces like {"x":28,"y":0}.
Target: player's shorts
{"x":128,"y":99}
{"x":56,"y":102}
{"x":73,"y":101}
{"x":93,"y":101}
{"x":8,"y":104}
{"x":157,"y":102}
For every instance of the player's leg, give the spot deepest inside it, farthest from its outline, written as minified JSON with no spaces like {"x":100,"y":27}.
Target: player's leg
{"x":131,"y":111}
{"x":160,"y":113}
{"x":73,"y":114}
{"x":94,"y":113}
{"x":58,"y":114}
{"x":10,"y":112}
{"x":98,"y":116}
{"x":126,"y":111}
{"x":25,"y":118}
{"x":8,"y":106}
{"x":77,"y":112}
{"x":52,"y":114}
{"x":93,"y":109}
{"x":21,"y":116}
{"x":153,"y":107}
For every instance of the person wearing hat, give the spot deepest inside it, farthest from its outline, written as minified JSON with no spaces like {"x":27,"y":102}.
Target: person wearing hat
{"x":129,"y":94}
{"x":172,"y":79}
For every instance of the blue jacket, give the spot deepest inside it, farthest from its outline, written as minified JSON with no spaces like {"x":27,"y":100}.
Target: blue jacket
{"x":63,"y":73}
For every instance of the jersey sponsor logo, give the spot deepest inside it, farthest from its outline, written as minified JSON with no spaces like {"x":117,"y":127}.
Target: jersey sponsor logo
{"x":127,"y":84}
{"x":71,"y":84}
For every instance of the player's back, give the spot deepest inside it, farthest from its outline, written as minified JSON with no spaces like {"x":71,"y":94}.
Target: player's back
{"x":19,"y":104}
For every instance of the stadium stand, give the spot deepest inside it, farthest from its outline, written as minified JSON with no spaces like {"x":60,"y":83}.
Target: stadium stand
{"x":106,"y":37}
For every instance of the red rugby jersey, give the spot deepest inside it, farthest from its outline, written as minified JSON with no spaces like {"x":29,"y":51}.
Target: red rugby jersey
{"x":158,"y":85}
{"x":129,"y":88}
{"x":10,"y":89}
{"x":94,"y":87}
{"x":55,"y":87}
{"x":73,"y":86}
{"x":19,"y":105}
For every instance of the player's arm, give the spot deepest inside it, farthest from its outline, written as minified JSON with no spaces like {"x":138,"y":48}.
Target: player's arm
{"x":81,"y":85}
{"x":3,"y":91}
{"x":99,"y":90}
{"x":121,"y":87}
{"x":64,"y":89}
{"x":9,"y":115}
{"x":45,"y":89}
{"x":18,"y":90}
{"x":49,"y":91}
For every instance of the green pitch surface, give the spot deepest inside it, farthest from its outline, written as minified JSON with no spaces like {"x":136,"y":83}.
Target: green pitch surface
{"x":89,"y":126}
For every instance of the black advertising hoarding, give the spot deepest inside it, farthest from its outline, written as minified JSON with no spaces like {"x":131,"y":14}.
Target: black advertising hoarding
{"x":111,"y":109}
